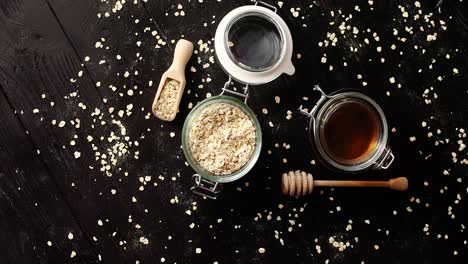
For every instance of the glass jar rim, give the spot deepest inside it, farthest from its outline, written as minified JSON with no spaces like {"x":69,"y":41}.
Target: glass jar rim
{"x":284,"y":65}
{"x":186,"y":131}
{"x":279,"y":30}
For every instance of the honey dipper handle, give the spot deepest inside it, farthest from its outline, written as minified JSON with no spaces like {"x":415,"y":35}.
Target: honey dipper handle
{"x":398,"y":184}
{"x":183,"y":52}
{"x":383,"y":184}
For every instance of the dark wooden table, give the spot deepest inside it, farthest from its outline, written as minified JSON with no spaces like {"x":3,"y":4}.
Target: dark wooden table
{"x":87,"y":174}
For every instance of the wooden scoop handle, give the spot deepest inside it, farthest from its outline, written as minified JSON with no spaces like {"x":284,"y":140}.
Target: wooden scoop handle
{"x":183,"y":52}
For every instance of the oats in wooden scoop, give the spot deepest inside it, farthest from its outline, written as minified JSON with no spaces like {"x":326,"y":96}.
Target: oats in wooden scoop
{"x":166,"y":105}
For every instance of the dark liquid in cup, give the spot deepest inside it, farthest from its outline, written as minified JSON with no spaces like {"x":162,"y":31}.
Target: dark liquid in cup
{"x":254,"y":42}
{"x":351,"y":131}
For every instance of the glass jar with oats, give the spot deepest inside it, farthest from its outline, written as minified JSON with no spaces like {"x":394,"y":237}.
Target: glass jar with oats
{"x":221,"y":137}
{"x":221,"y":140}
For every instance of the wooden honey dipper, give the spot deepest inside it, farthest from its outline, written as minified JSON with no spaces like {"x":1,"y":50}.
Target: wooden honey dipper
{"x":299,"y":183}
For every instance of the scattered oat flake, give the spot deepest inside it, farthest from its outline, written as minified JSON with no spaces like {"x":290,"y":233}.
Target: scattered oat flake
{"x":144,"y":240}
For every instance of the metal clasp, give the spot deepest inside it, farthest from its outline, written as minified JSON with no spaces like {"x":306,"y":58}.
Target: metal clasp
{"x":386,"y":161}
{"x":312,"y":112}
{"x":244,"y":94}
{"x":205,"y":188}
{"x":267,"y":5}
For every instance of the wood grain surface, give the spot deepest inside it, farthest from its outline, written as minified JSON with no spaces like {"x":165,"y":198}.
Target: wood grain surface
{"x":88,"y":175}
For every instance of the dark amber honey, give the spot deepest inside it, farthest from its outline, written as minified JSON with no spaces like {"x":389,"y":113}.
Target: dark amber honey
{"x":351,"y":131}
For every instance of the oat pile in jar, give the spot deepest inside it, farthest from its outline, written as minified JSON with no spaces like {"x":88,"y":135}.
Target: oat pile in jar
{"x":222,"y":138}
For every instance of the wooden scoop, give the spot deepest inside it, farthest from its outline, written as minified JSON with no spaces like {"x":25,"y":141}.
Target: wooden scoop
{"x":299,"y":183}
{"x":176,"y":72}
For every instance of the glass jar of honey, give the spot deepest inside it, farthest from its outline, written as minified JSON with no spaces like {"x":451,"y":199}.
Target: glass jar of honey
{"x":349,"y":132}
